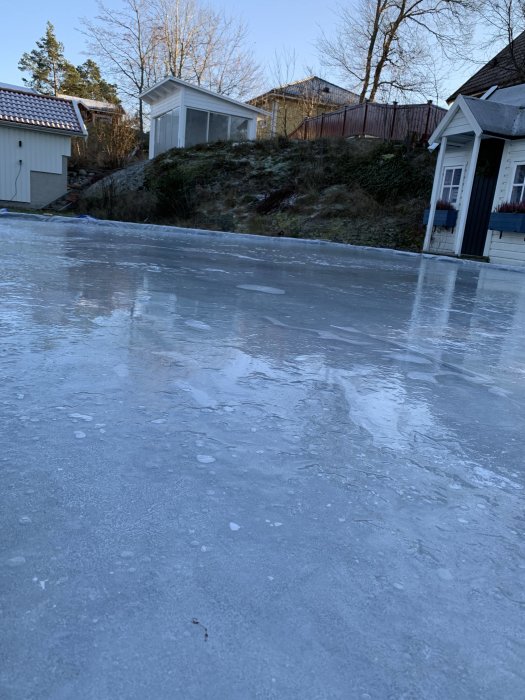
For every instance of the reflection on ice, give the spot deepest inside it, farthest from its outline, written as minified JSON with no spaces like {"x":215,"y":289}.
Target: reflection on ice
{"x":314,"y":451}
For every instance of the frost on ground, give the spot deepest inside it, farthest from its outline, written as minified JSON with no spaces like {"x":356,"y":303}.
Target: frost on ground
{"x":328,"y":480}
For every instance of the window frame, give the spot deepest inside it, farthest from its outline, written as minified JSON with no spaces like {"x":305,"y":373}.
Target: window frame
{"x":451,"y":186}
{"x":513,"y":184}
{"x":209,"y":112}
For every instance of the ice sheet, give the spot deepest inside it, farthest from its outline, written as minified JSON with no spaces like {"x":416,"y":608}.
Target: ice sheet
{"x":237,"y":467}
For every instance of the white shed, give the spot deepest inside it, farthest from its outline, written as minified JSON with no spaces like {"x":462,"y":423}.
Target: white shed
{"x":35,"y":143}
{"x":184,"y":115}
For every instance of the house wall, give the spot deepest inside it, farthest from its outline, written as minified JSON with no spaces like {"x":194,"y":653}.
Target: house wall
{"x":287,"y":114}
{"x":510,"y":248}
{"x":39,"y":152}
{"x":444,"y":240}
{"x":46,"y":187}
{"x":459,"y":125}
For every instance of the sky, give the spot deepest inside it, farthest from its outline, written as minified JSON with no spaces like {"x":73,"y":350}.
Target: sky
{"x":273,"y":25}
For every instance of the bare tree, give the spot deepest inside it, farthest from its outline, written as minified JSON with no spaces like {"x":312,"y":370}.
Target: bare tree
{"x":146,"y":40}
{"x":392,"y":45}
{"x":124,"y":41}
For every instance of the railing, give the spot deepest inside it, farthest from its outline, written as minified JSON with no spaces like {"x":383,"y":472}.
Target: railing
{"x":388,"y":122}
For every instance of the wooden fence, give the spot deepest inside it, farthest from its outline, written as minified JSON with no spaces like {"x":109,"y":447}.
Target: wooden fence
{"x":414,"y":123}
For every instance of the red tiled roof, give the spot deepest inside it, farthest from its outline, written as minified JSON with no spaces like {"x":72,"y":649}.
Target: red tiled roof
{"x":38,"y":111}
{"x":507,"y":68}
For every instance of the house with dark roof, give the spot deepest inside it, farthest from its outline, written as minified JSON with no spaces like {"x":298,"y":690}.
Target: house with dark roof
{"x":481,"y":165}
{"x":289,"y":105}
{"x":95,"y":111}
{"x":35,"y":143}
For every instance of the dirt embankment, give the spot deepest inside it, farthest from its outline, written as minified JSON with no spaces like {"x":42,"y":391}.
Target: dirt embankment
{"x":357,"y":191}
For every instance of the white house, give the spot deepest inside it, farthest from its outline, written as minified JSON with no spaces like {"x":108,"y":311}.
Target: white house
{"x":184,"y":115}
{"x":481,"y":164}
{"x":35,"y":143}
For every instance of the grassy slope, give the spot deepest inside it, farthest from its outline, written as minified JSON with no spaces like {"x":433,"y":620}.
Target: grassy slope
{"x":350,"y":191}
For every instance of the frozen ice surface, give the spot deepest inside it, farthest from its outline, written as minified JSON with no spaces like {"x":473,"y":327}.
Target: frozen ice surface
{"x":367,"y":427}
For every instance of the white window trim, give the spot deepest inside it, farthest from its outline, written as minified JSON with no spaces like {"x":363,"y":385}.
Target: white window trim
{"x":514,"y":166}
{"x":458,"y":166}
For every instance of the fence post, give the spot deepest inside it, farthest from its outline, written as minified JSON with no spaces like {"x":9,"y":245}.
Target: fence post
{"x":429,"y":109}
{"x":322,"y":124}
{"x":344,"y":122}
{"x":394,"y":112}
{"x":305,"y":122}
{"x":364,"y":118}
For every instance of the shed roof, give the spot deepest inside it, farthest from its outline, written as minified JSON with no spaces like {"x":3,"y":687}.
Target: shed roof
{"x":41,"y":112}
{"x":505,"y":69}
{"x":94,"y":105}
{"x":171,"y":84}
{"x":313,"y":87}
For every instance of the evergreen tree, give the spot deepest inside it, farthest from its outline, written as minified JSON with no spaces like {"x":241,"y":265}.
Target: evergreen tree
{"x":44,"y":64}
{"x":86,"y":81}
{"x":51,"y":73}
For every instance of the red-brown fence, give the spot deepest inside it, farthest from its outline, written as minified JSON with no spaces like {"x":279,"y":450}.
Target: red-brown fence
{"x":392,"y":122}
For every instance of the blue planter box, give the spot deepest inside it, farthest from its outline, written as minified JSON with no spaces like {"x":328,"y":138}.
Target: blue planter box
{"x":443,"y":217}
{"x":503,"y":221}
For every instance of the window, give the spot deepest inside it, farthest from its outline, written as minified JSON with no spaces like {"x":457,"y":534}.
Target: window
{"x":206,"y":127}
{"x":196,"y":127}
{"x":167,"y":131}
{"x":518,"y":186}
{"x":218,"y":127}
{"x":451,"y":184}
{"x":239,"y":129}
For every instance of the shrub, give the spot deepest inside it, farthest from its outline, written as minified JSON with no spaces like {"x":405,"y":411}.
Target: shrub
{"x":510,"y":208}
{"x":443,"y":205}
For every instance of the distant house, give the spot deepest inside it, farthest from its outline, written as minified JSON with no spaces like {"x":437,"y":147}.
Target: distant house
{"x":290,"y":104}
{"x":95,"y":111}
{"x":35,"y":143}
{"x":481,"y":164}
{"x":184,"y":115}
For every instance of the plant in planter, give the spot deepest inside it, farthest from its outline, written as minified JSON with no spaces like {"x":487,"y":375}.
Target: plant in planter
{"x":508,"y":216}
{"x":446,"y":214}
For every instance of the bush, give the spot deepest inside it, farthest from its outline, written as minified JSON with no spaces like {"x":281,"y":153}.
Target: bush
{"x":108,"y":145}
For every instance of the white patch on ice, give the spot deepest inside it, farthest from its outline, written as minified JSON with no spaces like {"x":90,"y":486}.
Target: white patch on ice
{"x":462,"y":520}
{"x":277,"y":524}
{"x":24,"y":520}
{"x":121,"y":370}
{"x":197,"y":325}
{"x":16,"y":561}
{"x":261,"y":288}
{"x":158,"y":421}
{"x":234,"y":527}
{"x":445,"y":574}
{"x":486,"y":477}
{"x":399,"y":586}
{"x":79,"y":434}
{"x":204,"y":548}
{"x":42,"y":584}
{"x":410,"y":357}
{"x":205,"y":459}
{"x":81,"y":416}
{"x":127,"y":554}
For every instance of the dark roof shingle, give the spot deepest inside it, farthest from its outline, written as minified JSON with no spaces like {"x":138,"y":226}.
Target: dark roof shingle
{"x":38,"y":111}
{"x":505,"y":69}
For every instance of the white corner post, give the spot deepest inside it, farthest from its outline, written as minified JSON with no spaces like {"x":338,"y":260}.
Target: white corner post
{"x":182,"y":120}
{"x":465,"y":196}
{"x":435,"y":193}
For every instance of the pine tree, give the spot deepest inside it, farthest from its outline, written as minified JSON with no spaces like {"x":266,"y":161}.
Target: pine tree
{"x":51,"y":73}
{"x":45,"y":63}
